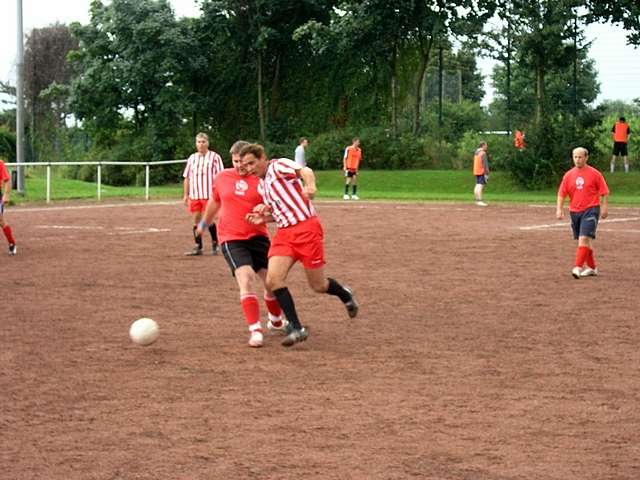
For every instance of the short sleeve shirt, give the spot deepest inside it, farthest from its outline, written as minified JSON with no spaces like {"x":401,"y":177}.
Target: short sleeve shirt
{"x":584,"y":186}
{"x":201,"y":171}
{"x":237,"y":195}
{"x":4,"y":174}
{"x":300,"y":160}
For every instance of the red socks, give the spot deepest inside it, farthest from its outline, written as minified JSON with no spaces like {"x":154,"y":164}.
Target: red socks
{"x":7,"y":233}
{"x":585,"y":255}
{"x":250,"y":308}
{"x":273,"y":306}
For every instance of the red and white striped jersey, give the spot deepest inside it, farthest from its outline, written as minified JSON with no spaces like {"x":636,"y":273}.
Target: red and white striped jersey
{"x":201,"y":171}
{"x":282,"y":191}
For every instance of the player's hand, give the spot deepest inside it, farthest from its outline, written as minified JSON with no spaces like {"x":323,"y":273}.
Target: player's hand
{"x":486,"y":178}
{"x":185,"y":200}
{"x":604,"y":213}
{"x":255,"y":218}
{"x":262,"y":209}
{"x":559,"y":214}
{"x":310,"y":191}
{"x":5,"y":199}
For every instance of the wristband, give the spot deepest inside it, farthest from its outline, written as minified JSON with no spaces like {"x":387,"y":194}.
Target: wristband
{"x":203,"y":225}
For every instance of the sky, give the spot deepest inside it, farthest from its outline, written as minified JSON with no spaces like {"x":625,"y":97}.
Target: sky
{"x":617,"y":63}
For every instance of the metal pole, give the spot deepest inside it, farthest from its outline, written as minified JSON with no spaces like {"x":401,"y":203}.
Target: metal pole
{"x":146,"y":182}
{"x":575,"y":65}
{"x":99,"y":179}
{"x":20,"y":103}
{"x":49,"y":183}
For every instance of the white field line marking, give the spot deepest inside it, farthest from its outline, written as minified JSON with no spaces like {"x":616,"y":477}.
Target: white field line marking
{"x":619,"y":230}
{"x":145,"y":230}
{"x":563,"y":224}
{"x":88,"y":207}
{"x":69,"y":227}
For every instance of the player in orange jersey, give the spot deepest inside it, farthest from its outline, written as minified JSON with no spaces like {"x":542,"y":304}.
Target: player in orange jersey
{"x":518,"y":140}
{"x":620,"y":134}
{"x":244,"y":245}
{"x":5,"y":189}
{"x":480,"y":171}
{"x":585,"y":186}
{"x":350,"y":166}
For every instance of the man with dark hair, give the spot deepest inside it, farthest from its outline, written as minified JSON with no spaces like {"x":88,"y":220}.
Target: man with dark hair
{"x":287,"y":190}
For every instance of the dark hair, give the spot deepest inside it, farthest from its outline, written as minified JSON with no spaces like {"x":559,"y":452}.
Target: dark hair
{"x":238,"y":146}
{"x":254,"y":149}
{"x":622,"y":119}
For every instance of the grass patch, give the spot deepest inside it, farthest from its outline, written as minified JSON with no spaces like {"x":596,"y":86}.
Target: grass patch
{"x":408,"y":185}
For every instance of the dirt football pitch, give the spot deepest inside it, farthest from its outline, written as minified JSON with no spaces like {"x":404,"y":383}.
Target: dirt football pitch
{"x":475,"y":355}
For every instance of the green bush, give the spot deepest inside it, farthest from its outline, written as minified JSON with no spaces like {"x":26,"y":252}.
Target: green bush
{"x":7,"y":145}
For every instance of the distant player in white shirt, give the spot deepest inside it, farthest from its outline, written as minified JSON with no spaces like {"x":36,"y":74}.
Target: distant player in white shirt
{"x":199,"y":174}
{"x":300,"y":151}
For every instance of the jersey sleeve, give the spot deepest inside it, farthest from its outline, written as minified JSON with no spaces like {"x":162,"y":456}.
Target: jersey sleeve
{"x":4,"y":174}
{"x":285,"y":168}
{"x":219,"y":164}
{"x":187,"y":168}
{"x":562,"y":189}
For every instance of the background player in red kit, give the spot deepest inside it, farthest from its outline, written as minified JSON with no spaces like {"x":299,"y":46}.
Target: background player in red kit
{"x":299,"y":236}
{"x":244,"y":245}
{"x":585,"y":186}
{"x":201,"y":169}
{"x":5,"y":189}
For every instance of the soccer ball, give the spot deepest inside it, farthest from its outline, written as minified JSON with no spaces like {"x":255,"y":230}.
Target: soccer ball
{"x":144,"y":331}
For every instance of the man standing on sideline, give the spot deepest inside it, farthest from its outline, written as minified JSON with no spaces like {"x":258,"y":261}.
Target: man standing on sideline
{"x":244,"y":245}
{"x":5,"y":189}
{"x":480,"y":171}
{"x":585,"y":186}
{"x":201,"y":169}
{"x":300,"y":151}
{"x":518,"y":140}
{"x":350,"y":165}
{"x":620,"y":133}
{"x":299,"y":236}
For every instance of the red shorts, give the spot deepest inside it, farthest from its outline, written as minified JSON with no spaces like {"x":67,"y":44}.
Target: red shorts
{"x":303,"y":241}
{"x":197,"y":205}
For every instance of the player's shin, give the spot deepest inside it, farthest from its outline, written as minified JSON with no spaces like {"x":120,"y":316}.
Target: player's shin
{"x":285,"y":300}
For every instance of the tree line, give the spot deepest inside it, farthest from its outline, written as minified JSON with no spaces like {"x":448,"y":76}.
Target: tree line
{"x":137,"y":83}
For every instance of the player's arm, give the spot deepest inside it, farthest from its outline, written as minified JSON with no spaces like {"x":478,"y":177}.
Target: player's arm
{"x":261,"y":214}
{"x":559,"y":204}
{"x":309,"y":180}
{"x":485,"y":164}
{"x":185,"y":190}
{"x":210,"y":212}
{"x":6,"y":189}
{"x":604,"y":206}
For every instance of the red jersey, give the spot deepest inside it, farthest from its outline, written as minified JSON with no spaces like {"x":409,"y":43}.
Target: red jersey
{"x":4,"y":174}
{"x":584,"y":186}
{"x":237,"y":195}
{"x":201,"y":171}
{"x":282,"y":191}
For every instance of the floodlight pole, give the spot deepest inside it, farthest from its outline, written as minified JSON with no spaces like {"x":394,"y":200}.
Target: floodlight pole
{"x":20,"y":103}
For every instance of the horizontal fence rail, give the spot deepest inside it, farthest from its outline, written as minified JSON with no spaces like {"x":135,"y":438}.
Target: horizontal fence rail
{"x":147,"y":167}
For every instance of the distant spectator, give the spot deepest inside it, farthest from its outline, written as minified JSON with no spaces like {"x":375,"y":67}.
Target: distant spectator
{"x":620,"y":133}
{"x":300,"y":151}
{"x":350,"y":165}
{"x":518,"y":140}
{"x":481,"y":171}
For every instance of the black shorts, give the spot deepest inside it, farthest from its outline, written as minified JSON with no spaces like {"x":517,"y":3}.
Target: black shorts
{"x":252,"y":252}
{"x":620,"y":148}
{"x":351,"y":173}
{"x":585,"y":223}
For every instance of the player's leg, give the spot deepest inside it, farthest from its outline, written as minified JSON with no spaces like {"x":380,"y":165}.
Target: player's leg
{"x":347,"y":182}
{"x":245,"y":277}
{"x":276,"y":321}
{"x":354,"y":187}
{"x":322,"y":284}
{"x":213,"y":231}
{"x":586,"y":238}
{"x":196,"y":216}
{"x":6,"y":229}
{"x":612,"y":165}
{"x":277,"y":272}
{"x":626,"y":163}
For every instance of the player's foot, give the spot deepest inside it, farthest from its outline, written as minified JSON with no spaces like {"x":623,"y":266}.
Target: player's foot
{"x":576,"y":272}
{"x":195,"y":252}
{"x":13,"y":249}
{"x":589,"y":272}
{"x":214,"y":249}
{"x":256,"y":340}
{"x":352,"y":305}
{"x":277,"y":324}
{"x":296,"y":336}
{"x":480,"y":203}
{"x":345,"y":197}
{"x":355,"y":197}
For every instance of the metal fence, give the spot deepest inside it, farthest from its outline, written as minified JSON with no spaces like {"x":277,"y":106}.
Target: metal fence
{"x":147,"y":166}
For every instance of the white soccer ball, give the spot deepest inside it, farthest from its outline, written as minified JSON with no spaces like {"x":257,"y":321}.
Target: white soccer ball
{"x":144,"y":331}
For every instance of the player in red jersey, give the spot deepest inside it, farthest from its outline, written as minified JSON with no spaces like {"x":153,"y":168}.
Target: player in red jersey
{"x":199,"y":174}
{"x":287,"y":189}
{"x":244,"y":245}
{"x":585,"y":186}
{"x":5,"y":189}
